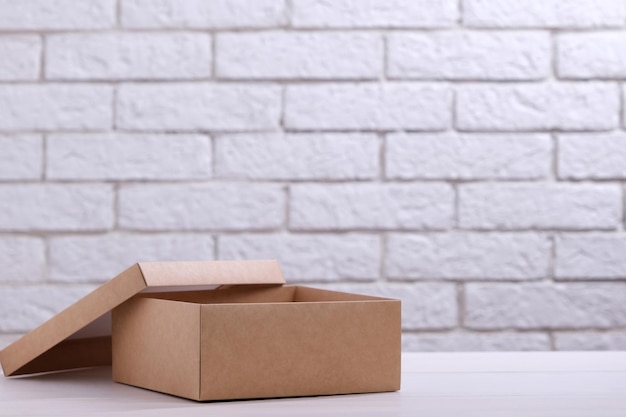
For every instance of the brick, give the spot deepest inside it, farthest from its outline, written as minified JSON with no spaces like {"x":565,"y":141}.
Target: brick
{"x":56,"y":14}
{"x":100,"y":258}
{"x":592,"y":55}
{"x":24,"y":308}
{"x":592,"y":156}
{"x":128,"y":56}
{"x":368,"y":106}
{"x":201,"y":207}
{"x":425,"y":306}
{"x":374,"y":13}
{"x":539,"y":206}
{"x":468,"y":256}
{"x":593,"y":256}
{"x":22,"y":259}
{"x":310,"y":257}
{"x":611,"y":340}
{"x":117,"y":156}
{"x":297,"y":156}
{"x":29,"y":207}
{"x":562,"y":106}
{"x":468,"y":156}
{"x":20,"y":57}
{"x":55,"y":106}
{"x":474,"y":342}
{"x":188,"y":107}
{"x":299,"y":55}
{"x":545,"y":306}
{"x":371,"y":206}
{"x":199,"y":14}
{"x":544,"y":13}
{"x":20,"y":157}
{"x":469,"y":55}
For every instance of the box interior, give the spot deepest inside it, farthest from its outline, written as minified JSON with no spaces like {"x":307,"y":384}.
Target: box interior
{"x":258,"y":294}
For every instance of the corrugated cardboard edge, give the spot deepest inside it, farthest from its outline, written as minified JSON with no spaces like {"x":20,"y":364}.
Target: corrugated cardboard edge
{"x":46,"y":348}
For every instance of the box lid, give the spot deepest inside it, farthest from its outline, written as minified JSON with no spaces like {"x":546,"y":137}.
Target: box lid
{"x":71,"y":338}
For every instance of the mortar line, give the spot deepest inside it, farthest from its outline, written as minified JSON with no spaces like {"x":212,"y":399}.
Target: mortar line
{"x":118,"y":14}
{"x":554,"y":168}
{"x":385,"y":52}
{"x":287,"y":224}
{"x":621,"y":117}
{"x":42,"y":58}
{"x":213,"y":146}
{"x":382,"y":153}
{"x":461,"y":307}
{"x":552,"y":259}
{"x":214,"y":76}
{"x":289,"y":15}
{"x":116,"y":205}
{"x":44,"y":159}
{"x":552,"y":340}
{"x":216,"y":243}
{"x":554,"y":50}
{"x":115,"y":87}
{"x":383,"y":241}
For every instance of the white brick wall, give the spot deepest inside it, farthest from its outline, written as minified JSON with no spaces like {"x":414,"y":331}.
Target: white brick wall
{"x":592,"y":156}
{"x":36,"y":15}
{"x":371,"y":206}
{"x":311,"y":257}
{"x":560,"y":106}
{"x":21,"y":157}
{"x":591,"y":256}
{"x":577,"y":14}
{"x":201,"y":14}
{"x":97,"y":258}
{"x":469,"y":55}
{"x":128,"y":157}
{"x":23,"y":259}
{"x":592,"y":55}
{"x":553,"y":306}
{"x":374,"y":13}
{"x":201,"y":207}
{"x":468,"y":256}
{"x":466,"y":156}
{"x":55,"y":106}
{"x":540,"y":206}
{"x":368,"y":106}
{"x":308,"y":55}
{"x":202,"y":106}
{"x":46,"y":207}
{"x":128,"y":56}
{"x":303,"y":156}
{"x":20,"y":57}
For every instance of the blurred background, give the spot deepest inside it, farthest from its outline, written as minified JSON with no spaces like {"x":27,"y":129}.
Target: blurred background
{"x":466,"y":156}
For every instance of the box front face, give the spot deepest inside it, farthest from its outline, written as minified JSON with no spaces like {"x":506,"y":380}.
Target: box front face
{"x":299,"y":348}
{"x":156,"y":345}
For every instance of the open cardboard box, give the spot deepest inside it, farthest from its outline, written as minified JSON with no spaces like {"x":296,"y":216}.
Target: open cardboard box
{"x":251,"y":337}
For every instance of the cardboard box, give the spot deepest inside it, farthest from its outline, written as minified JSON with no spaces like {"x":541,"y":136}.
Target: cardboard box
{"x":252,"y":337}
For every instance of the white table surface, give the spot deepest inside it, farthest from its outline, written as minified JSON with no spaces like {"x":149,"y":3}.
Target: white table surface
{"x":433,"y":384}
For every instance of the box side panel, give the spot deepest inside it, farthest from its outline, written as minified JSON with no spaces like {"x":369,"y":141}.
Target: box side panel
{"x":158,"y":274}
{"x":297,"y":349}
{"x":17,"y":357}
{"x":235,"y":294}
{"x":307,"y":294}
{"x":156,"y":345}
